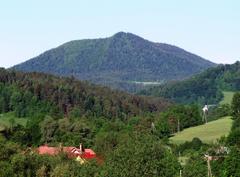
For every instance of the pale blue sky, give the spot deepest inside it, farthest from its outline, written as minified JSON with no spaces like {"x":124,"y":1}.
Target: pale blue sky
{"x":209,"y":28}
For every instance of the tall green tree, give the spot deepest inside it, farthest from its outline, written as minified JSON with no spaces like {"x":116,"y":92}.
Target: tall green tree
{"x":141,"y":157}
{"x":236,"y":105}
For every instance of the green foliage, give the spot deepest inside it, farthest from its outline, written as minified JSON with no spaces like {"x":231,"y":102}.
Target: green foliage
{"x":35,"y":95}
{"x":9,"y":119}
{"x":236,"y":124}
{"x":178,"y":116}
{"x":196,"y":144}
{"x":219,"y":111}
{"x":18,"y":162}
{"x":44,"y":100}
{"x":236,"y":105}
{"x":75,"y":113}
{"x":126,"y":131}
{"x":33,"y":131}
{"x":5,"y":169}
{"x":204,"y":88}
{"x":7,"y":149}
{"x":70,"y":132}
{"x":48,"y":128}
{"x":195,"y":166}
{"x":231,"y":165}
{"x":106,"y":142}
{"x":234,"y":137}
{"x":137,"y":155}
{"x":117,"y":60}
{"x":141,"y":157}
{"x":162,"y":128}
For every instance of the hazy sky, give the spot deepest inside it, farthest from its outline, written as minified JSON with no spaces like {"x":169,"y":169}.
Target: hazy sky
{"x":209,"y":28}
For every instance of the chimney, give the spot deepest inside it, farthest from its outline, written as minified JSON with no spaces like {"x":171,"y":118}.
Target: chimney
{"x":80,"y":147}
{"x":61,"y":147}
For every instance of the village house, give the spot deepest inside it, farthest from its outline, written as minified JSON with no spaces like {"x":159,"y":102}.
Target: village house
{"x":80,"y":154}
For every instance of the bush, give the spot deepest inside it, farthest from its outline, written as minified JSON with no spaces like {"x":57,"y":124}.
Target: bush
{"x":195,"y":144}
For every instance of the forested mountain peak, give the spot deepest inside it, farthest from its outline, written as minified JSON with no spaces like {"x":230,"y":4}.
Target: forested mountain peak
{"x":118,"y":61}
{"x":122,"y":34}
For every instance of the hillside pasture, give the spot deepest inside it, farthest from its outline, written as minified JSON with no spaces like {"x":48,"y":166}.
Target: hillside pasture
{"x":227,"y":97}
{"x":208,"y":133}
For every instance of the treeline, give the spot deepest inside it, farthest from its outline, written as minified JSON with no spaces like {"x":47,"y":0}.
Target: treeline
{"x":205,"y":88}
{"x":176,"y":118}
{"x":23,"y":103}
{"x":68,"y":94}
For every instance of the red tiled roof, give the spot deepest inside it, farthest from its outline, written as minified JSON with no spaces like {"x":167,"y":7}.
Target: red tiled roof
{"x":48,"y":150}
{"x":88,"y":154}
{"x":70,"y":151}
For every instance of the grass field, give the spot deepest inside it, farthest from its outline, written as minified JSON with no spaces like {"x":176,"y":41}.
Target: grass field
{"x":227,"y":99}
{"x":208,"y":133}
{"x":5,"y":119}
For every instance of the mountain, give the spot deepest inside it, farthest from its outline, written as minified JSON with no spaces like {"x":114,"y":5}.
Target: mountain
{"x":118,"y":61}
{"x":203,"y":88}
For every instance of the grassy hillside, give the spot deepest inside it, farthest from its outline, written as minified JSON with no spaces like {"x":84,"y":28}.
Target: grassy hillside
{"x":208,"y":133}
{"x":227,"y":97}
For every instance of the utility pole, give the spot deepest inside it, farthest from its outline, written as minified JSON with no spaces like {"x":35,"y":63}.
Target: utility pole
{"x":209,"y":158}
{"x":178,"y":128}
{"x":209,"y":169}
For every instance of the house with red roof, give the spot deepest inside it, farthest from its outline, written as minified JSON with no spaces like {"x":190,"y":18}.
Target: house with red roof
{"x":72,"y":152}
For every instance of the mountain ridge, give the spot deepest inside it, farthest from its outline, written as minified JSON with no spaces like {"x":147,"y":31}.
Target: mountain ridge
{"x":117,"y":60}
{"x":203,"y":88}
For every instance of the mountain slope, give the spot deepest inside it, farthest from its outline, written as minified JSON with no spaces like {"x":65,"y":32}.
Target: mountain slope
{"x":203,"y":88}
{"x":67,"y":95}
{"x":117,"y":61}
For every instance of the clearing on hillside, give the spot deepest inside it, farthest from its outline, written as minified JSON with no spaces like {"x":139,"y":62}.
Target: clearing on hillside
{"x":208,"y":133}
{"x":227,"y":99}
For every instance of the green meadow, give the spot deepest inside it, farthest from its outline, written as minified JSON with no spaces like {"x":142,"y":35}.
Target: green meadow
{"x":208,"y":133}
{"x":227,"y":99}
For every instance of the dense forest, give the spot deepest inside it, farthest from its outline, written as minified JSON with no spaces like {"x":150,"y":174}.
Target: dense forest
{"x":68,"y":94}
{"x":130,"y":134}
{"x":204,"y":88}
{"x":123,"y":129}
{"x":118,"y":61}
